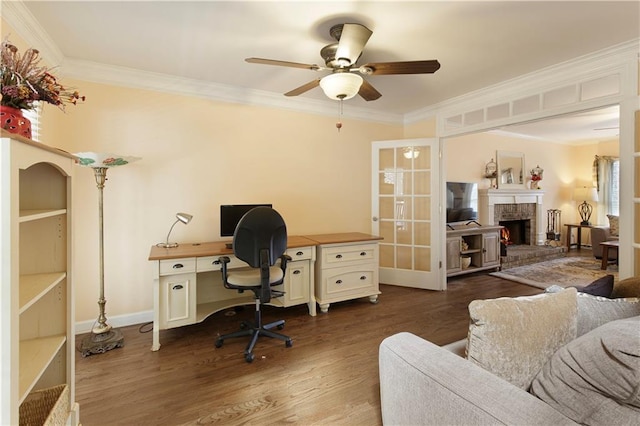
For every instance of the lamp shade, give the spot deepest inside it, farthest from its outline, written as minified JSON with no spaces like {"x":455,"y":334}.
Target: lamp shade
{"x":184,"y":217}
{"x":341,"y":85}
{"x":585,"y":194}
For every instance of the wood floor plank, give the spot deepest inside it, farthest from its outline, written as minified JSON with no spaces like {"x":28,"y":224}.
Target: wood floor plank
{"x":328,"y":377}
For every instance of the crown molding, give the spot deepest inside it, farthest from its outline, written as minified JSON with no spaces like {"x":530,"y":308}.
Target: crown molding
{"x":129,"y":77}
{"x":30,"y":30}
{"x":583,"y":67}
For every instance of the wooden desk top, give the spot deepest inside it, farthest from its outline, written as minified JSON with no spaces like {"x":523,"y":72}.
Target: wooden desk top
{"x":345,"y":237}
{"x":218,"y":248}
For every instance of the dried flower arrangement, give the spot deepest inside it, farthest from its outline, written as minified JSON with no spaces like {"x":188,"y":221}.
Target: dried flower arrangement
{"x":24,"y":81}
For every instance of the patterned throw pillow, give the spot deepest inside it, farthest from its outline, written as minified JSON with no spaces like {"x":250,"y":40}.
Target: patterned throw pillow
{"x":514,"y":337}
{"x":613,"y":225}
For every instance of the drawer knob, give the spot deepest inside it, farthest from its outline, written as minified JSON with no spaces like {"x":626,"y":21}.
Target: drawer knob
{"x":338,"y":256}
{"x":363,"y":253}
{"x":215,"y":262}
{"x":299,"y":253}
{"x":363,"y":277}
{"x":177,"y":287}
{"x":178,"y":266}
{"x":296,"y":272}
{"x":339,"y":282}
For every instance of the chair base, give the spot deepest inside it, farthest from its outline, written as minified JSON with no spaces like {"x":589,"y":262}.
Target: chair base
{"x":256,"y":330}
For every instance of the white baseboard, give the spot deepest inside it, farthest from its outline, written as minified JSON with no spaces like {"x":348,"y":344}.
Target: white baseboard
{"x":117,"y":321}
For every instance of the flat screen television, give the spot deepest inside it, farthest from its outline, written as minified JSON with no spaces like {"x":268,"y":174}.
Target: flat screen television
{"x":462,"y":201}
{"x":230,"y":215}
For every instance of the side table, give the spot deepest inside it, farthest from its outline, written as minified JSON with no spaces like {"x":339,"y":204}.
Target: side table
{"x":570,"y":226}
{"x":606,"y":245}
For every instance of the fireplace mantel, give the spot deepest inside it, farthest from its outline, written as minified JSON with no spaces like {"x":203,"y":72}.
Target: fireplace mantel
{"x":488,"y":198}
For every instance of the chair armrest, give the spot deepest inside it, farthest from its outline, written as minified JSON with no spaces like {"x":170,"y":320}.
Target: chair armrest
{"x":422,"y":383}
{"x":223,"y":262}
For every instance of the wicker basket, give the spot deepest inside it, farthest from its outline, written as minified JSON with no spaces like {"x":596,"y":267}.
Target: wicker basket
{"x":46,"y":407}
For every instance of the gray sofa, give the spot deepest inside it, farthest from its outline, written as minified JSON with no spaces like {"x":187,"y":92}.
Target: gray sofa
{"x":514,"y":348}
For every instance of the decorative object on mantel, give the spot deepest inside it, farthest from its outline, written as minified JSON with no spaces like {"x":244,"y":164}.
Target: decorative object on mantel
{"x":23,"y":82}
{"x":103,"y":337}
{"x":536,"y":177}
{"x":585,"y":209}
{"x":491,"y":173}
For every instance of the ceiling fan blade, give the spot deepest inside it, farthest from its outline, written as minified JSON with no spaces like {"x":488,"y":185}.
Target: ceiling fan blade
{"x":408,"y":67}
{"x":368,"y":92}
{"x":312,"y":67}
{"x":304,"y":88}
{"x":352,"y":42}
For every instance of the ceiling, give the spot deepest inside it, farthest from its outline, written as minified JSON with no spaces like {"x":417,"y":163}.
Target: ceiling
{"x":478,"y":43}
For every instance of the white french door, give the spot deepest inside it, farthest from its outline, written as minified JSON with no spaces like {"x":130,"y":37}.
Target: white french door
{"x":405,"y":212}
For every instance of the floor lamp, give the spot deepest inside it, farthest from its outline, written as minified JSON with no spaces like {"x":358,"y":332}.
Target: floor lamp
{"x":103,"y":337}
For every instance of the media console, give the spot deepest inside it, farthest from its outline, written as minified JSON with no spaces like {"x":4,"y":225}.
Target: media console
{"x":188,"y":284}
{"x":479,"y":244}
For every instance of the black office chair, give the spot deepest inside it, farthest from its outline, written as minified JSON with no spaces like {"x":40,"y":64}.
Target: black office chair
{"x":260,"y":239}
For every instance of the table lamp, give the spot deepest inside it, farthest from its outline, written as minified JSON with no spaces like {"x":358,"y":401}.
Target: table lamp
{"x":180,"y":217}
{"x":585,"y":209}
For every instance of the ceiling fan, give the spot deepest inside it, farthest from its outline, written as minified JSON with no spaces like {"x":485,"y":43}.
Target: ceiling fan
{"x":340,"y":58}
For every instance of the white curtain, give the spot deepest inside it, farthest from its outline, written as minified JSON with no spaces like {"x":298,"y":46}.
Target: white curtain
{"x":607,"y":181}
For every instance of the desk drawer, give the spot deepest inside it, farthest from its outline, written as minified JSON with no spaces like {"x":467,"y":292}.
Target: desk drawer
{"x":211,"y":263}
{"x":301,"y":253}
{"x":177,"y":266}
{"x":333,"y":257}
{"x":341,"y":284}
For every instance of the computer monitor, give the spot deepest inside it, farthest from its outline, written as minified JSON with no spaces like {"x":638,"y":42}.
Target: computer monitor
{"x":230,"y":215}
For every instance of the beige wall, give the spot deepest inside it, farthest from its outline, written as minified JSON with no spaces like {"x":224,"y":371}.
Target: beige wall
{"x":198,"y":154}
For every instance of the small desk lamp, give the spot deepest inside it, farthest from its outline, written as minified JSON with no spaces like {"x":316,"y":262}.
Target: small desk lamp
{"x":585,"y":209}
{"x":180,"y":217}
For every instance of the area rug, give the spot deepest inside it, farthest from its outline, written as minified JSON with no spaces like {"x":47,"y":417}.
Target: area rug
{"x":565,"y":272}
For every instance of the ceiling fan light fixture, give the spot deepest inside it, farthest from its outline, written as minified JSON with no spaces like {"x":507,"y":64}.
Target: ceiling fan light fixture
{"x":341,"y":85}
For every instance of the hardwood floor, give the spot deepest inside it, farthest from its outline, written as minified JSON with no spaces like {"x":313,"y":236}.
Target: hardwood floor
{"x":329,"y":376}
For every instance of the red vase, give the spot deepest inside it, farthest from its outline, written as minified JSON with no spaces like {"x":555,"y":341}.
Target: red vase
{"x":12,"y":120}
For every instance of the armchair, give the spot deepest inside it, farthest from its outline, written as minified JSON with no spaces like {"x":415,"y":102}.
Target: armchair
{"x":260,"y":240}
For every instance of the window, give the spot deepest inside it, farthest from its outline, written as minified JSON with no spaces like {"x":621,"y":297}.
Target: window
{"x":607,"y":179}
{"x":614,"y":202}
{"x":33,"y":115}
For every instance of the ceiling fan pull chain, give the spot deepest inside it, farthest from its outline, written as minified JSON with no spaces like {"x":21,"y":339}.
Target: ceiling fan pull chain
{"x":339,"y":123}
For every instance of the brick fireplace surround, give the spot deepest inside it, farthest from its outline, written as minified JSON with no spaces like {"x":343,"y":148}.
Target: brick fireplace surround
{"x":496,"y":205}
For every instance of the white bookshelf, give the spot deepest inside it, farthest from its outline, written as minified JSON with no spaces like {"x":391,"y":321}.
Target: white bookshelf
{"x":37,"y":349}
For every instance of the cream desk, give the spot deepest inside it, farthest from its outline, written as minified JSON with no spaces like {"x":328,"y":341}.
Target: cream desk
{"x":347,"y":267}
{"x":188,"y":283}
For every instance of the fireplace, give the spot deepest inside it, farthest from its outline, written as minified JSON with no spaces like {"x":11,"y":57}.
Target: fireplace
{"x":523,"y":206}
{"x":516,"y":231}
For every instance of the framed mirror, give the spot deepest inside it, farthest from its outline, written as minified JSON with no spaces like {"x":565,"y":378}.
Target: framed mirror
{"x":510,"y":169}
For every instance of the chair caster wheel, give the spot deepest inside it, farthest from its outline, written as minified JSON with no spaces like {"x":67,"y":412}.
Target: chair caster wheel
{"x":249,"y":357}
{"x":280,"y":327}
{"x":219,"y":343}
{"x":288,"y":343}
